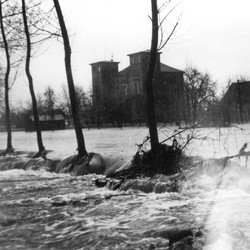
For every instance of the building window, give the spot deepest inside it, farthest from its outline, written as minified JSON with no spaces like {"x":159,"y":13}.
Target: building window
{"x":124,"y":90}
{"x":137,"y":87}
{"x":97,"y":69}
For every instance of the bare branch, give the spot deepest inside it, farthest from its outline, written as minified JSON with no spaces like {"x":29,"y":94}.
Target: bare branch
{"x":164,"y":6}
{"x":166,"y":16}
{"x":172,"y":32}
{"x":14,"y":79}
{"x":179,"y":132}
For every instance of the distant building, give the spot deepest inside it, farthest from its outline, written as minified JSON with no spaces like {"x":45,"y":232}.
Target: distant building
{"x":47,"y":122}
{"x":236,"y":103}
{"x":121,"y":95}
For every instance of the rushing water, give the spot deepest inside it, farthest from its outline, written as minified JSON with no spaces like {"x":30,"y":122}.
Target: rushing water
{"x":42,"y":210}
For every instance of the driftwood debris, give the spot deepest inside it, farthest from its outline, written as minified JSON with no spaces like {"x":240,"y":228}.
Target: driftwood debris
{"x":241,"y":153}
{"x":165,"y":178}
{"x":170,"y":159}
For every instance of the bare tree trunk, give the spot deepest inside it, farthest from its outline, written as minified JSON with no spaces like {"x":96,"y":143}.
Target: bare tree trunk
{"x":6,"y":84}
{"x":194,"y":113}
{"x":150,"y":88}
{"x":75,"y":113}
{"x":30,"y":79}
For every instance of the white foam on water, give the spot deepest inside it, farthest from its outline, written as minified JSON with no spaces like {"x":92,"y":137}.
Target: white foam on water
{"x":15,"y":174}
{"x":228,"y":223}
{"x":221,"y":244}
{"x":218,"y":198}
{"x":11,"y":174}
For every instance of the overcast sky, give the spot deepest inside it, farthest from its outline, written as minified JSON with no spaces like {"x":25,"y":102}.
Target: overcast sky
{"x":213,"y":35}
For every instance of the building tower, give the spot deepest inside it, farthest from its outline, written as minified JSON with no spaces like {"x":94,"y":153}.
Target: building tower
{"x":103,"y":74}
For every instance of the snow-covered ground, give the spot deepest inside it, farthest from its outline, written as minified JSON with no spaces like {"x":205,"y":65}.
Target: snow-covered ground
{"x":207,"y":142}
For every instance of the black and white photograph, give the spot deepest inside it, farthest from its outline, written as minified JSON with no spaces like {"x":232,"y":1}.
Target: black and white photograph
{"x":124,"y":125}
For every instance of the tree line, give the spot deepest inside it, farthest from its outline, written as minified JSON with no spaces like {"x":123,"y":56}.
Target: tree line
{"x":49,"y":102}
{"x":202,"y":103}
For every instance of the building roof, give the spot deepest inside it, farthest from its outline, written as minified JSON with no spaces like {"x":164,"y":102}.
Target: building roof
{"x":141,"y":52}
{"x":103,"y":62}
{"x":166,"y":68}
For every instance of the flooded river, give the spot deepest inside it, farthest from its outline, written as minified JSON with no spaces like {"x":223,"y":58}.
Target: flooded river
{"x":44,"y":210}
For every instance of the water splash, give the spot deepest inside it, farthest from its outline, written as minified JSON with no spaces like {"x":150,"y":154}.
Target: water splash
{"x":45,"y":210}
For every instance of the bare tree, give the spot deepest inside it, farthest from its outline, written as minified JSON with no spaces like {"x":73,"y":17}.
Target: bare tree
{"x":199,"y":88}
{"x":41,"y":147}
{"x":83,"y":101}
{"x":2,"y":107}
{"x":151,"y":117}
{"x":37,"y":19}
{"x":49,"y":101}
{"x":39,"y":26}
{"x":6,"y":83}
{"x":11,"y":44}
{"x":64,"y":104}
{"x":156,"y":46}
{"x":75,"y":112}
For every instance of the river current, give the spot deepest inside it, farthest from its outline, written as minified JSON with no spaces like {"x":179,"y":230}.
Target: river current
{"x":44,"y":210}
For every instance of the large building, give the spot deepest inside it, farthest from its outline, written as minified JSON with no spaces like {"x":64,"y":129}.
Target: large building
{"x":236,"y":103}
{"x":121,"y":95}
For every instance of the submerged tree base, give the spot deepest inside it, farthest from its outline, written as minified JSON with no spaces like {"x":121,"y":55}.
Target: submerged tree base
{"x":7,"y":151}
{"x":170,"y":160}
{"x":142,"y":175}
{"x":41,"y":153}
